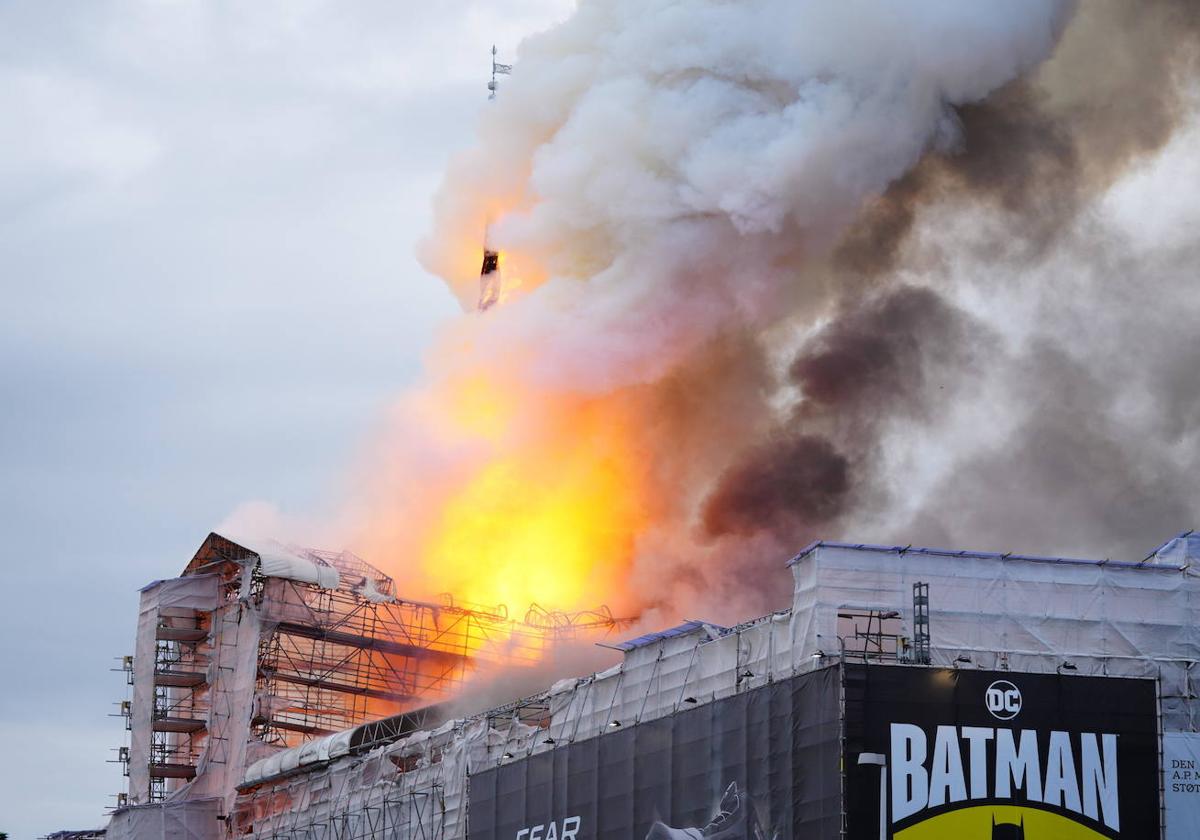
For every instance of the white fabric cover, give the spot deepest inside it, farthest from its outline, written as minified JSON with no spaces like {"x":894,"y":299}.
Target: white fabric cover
{"x":193,"y":819}
{"x":1183,"y":550}
{"x":195,"y":592}
{"x":276,"y":561}
{"x":1030,"y":614}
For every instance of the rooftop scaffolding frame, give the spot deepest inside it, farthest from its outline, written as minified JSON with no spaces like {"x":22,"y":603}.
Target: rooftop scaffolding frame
{"x":258,"y":648}
{"x":347,"y":659}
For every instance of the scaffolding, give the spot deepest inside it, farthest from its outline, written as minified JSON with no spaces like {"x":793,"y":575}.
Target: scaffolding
{"x":872,"y":636}
{"x":179,"y":720}
{"x":921,"y":637}
{"x":411,"y":780}
{"x":351,"y":659}
{"x":258,"y":649}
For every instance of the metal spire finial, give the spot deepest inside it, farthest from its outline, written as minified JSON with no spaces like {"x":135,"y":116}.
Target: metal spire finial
{"x":497,"y":68}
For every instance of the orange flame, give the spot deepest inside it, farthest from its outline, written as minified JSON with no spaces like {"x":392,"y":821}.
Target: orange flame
{"x":549,"y":518}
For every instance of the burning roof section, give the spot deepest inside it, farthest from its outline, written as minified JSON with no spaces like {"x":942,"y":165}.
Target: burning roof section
{"x":851,"y":602}
{"x":263,"y":646}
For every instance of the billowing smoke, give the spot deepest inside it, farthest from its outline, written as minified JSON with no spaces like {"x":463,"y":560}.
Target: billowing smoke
{"x":1043,"y":146}
{"x":876,"y":362}
{"x":777,"y":270}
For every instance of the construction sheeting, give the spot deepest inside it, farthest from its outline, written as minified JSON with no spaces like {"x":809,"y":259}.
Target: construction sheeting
{"x":1178,"y":551}
{"x":313,"y":752}
{"x":195,"y":819}
{"x":988,"y":611}
{"x":1021,"y":613}
{"x":234,"y":670}
{"x":195,"y":592}
{"x":278,"y":561}
{"x":684,"y":629}
{"x":227,"y":695}
{"x":416,"y":787}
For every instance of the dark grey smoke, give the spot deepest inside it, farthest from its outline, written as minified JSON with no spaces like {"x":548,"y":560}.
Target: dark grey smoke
{"x":1104,"y":455}
{"x":793,"y":482}
{"x":1014,"y":155}
{"x":1072,"y":479}
{"x":877,"y":354}
{"x":1101,"y":391}
{"x":1040,"y":148}
{"x":881,"y":359}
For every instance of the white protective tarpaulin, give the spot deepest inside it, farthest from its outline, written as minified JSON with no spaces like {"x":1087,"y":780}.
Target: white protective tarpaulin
{"x":195,"y":592}
{"x":1022,"y":613}
{"x":988,"y":611}
{"x":193,"y":819}
{"x":278,"y":561}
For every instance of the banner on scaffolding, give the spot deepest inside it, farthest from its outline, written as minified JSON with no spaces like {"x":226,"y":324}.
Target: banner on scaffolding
{"x":999,"y":755}
{"x":760,"y":765}
{"x":1181,"y":784}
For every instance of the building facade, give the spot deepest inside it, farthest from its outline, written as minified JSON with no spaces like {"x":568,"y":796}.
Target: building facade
{"x":906,"y":693}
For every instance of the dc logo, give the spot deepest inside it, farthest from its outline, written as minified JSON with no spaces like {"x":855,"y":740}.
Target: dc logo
{"x":1003,"y":700}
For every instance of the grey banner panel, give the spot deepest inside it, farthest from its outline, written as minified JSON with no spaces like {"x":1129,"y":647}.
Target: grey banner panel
{"x":762,"y":765}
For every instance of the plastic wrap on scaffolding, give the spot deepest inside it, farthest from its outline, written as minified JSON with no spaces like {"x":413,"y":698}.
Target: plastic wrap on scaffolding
{"x":236,"y":630}
{"x":159,"y":599}
{"x":413,"y":788}
{"x":1020,"y":613}
{"x":194,"y":819}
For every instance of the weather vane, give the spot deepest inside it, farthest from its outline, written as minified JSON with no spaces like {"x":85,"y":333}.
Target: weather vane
{"x":497,"y":69}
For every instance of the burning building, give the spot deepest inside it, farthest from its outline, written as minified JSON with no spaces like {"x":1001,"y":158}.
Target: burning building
{"x":728,"y":278}
{"x":255,"y":649}
{"x":905,"y":692}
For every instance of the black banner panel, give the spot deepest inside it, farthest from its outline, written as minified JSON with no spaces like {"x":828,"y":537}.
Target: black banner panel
{"x":761,"y":765}
{"x":995,"y":755}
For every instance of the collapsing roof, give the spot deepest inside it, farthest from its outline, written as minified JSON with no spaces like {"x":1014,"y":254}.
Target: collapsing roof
{"x":326,"y":569}
{"x":276,"y":657}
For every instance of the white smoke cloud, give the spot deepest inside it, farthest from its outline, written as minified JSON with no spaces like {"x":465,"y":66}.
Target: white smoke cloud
{"x":813,"y":268}
{"x":669,"y":168}
{"x":666,"y":183}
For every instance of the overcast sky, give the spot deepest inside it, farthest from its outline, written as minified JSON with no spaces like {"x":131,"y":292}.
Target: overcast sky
{"x":207,"y":219}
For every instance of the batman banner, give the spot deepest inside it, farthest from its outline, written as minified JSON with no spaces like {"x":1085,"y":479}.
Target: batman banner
{"x":982,"y":755}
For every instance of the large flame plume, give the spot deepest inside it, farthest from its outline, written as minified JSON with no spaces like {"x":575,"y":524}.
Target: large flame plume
{"x":548,"y":519}
{"x":717,"y":323}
